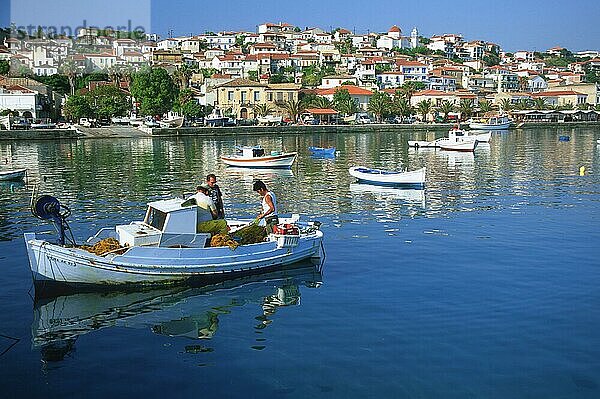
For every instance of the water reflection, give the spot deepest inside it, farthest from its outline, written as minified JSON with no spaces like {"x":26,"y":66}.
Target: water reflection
{"x":191,"y":312}
{"x":381,"y":193}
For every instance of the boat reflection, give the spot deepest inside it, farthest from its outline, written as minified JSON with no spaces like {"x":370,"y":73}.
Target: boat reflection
{"x":260,"y":173}
{"x":386,"y":193}
{"x":191,"y":312}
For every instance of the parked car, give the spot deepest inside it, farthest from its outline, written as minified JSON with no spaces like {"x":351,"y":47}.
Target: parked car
{"x":363,"y":119}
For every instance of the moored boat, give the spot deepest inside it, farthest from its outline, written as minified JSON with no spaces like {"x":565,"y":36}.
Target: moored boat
{"x":322,"y":151}
{"x":414,"y":178}
{"x":457,"y":140}
{"x":255,"y":157}
{"x":490,"y":121}
{"x":165,"y":247}
{"x":12,"y":175}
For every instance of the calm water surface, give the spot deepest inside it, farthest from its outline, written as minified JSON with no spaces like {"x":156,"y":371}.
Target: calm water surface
{"x":484,"y":285}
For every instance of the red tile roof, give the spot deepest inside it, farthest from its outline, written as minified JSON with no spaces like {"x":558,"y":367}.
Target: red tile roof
{"x":321,"y":111}
{"x":352,"y":90}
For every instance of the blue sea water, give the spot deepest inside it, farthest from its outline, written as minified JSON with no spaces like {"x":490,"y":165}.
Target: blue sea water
{"x":484,"y":285}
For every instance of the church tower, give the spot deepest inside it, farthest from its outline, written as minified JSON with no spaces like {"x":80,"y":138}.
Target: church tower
{"x":414,"y":38}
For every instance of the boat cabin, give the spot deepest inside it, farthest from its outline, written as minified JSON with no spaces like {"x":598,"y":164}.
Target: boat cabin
{"x":168,"y":223}
{"x":251,"y":152}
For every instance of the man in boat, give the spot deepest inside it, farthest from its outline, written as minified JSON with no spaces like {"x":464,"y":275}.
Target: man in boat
{"x":269,"y":206}
{"x":205,"y":221}
{"x":215,"y":194}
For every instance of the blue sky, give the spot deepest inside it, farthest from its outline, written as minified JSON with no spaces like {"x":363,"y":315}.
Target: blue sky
{"x":515,"y":25}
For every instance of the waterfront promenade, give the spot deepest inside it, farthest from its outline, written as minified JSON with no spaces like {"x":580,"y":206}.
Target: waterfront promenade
{"x":131,"y":132}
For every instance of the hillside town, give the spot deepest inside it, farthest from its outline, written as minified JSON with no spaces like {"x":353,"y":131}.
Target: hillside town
{"x":284,"y":74}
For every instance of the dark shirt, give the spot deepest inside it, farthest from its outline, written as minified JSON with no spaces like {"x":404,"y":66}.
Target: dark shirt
{"x":215,"y":194}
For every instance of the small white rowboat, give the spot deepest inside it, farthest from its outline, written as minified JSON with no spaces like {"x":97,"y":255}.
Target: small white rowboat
{"x":383,"y":177}
{"x":12,"y":175}
{"x":254,"y":157}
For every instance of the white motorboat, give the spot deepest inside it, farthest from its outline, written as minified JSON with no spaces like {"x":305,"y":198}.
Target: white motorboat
{"x":255,"y":157}
{"x":414,"y":178}
{"x":13,"y":174}
{"x":269,"y":120}
{"x":172,"y":123}
{"x":490,"y":121}
{"x":163,"y":248}
{"x":423,"y":144}
{"x":457,"y":140}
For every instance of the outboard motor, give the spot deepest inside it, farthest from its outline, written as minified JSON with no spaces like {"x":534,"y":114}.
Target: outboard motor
{"x":46,"y":207}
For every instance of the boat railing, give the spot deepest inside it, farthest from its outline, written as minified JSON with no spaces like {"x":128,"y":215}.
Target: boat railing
{"x":102,"y":234}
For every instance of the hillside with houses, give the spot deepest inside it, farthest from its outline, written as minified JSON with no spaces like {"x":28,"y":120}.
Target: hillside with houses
{"x":297,"y":75}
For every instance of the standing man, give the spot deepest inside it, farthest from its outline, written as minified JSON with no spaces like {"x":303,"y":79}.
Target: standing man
{"x":215,"y":193}
{"x":268,"y":205}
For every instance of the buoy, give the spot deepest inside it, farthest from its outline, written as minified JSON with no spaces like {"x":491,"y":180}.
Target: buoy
{"x":582,"y":171}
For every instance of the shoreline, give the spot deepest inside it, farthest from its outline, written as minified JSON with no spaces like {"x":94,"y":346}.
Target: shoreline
{"x":132,"y":132}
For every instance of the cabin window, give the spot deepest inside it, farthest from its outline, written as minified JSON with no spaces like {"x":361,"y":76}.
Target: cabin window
{"x":156,"y":218}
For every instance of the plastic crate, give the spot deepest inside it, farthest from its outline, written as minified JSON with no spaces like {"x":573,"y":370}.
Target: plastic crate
{"x":286,"y":241}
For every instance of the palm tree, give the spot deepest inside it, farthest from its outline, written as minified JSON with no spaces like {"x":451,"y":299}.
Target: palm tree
{"x":466,"y":108}
{"x":485,"y":106}
{"x":321,"y":102}
{"x":401,"y":106}
{"x":71,"y":70}
{"x":506,"y":105}
{"x":424,"y":108}
{"x":540,"y":103}
{"x":445,"y":108}
{"x":294,"y":108}
{"x":584,"y":106}
{"x":379,"y":104}
{"x":346,"y":106}
{"x":262,"y":109}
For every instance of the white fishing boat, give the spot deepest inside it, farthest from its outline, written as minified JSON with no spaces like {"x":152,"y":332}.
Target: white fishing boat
{"x":423,"y":144}
{"x":175,"y":122}
{"x":163,"y":248}
{"x":255,"y":157}
{"x":269,"y":120}
{"x":490,"y":121}
{"x":12,"y":174}
{"x":414,"y":178}
{"x":477,"y":135}
{"x":457,"y":140}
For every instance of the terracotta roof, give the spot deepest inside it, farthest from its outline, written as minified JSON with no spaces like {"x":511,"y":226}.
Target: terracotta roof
{"x":409,"y":63}
{"x":241,"y":82}
{"x":321,"y":111}
{"x":432,"y":93}
{"x":352,"y":90}
{"x":394,"y":29}
{"x":557,"y":93}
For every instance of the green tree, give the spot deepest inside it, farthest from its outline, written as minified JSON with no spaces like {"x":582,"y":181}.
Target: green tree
{"x":154,"y":90}
{"x":424,"y":108}
{"x":380,"y":105}
{"x":263,"y":109}
{"x":485,"y":106}
{"x":182,"y":75}
{"x":253,"y":75}
{"x":71,"y":71}
{"x":505,"y":105}
{"x":445,"y":108}
{"x":293,"y":108}
{"x":343,"y":103}
{"x":401,"y":106}
{"x":77,"y":107}
{"x":208,"y":72}
{"x":321,"y":102}
{"x":540,"y":104}
{"x":107,"y":101}
{"x":411,"y":87}
{"x":59,"y":83}
{"x":466,"y":108}
{"x":4,"y":67}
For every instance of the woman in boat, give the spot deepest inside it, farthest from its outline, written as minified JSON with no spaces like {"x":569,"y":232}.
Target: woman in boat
{"x":269,"y":205}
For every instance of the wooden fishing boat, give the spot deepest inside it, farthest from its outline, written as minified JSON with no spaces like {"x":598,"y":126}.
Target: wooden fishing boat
{"x":12,"y":175}
{"x":163,"y":248}
{"x":457,"y":140}
{"x":414,"y":178}
{"x":255,"y":157}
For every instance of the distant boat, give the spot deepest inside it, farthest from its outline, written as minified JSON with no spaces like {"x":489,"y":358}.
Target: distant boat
{"x":390,"y":178}
{"x":12,"y":175}
{"x":320,"y":151}
{"x":457,"y":140}
{"x":172,"y":123}
{"x":490,"y":121}
{"x":255,"y":157}
{"x":564,"y":138}
{"x":269,"y":120}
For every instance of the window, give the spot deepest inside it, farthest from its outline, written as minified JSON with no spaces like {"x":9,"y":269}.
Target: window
{"x":230,"y":95}
{"x":270,"y":96}
{"x":244,"y":97}
{"x":291,"y":96}
{"x":256,"y":96}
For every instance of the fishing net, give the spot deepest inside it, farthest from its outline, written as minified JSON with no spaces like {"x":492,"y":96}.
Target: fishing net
{"x":250,"y":234}
{"x":223,"y":240}
{"x":104,"y":246}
